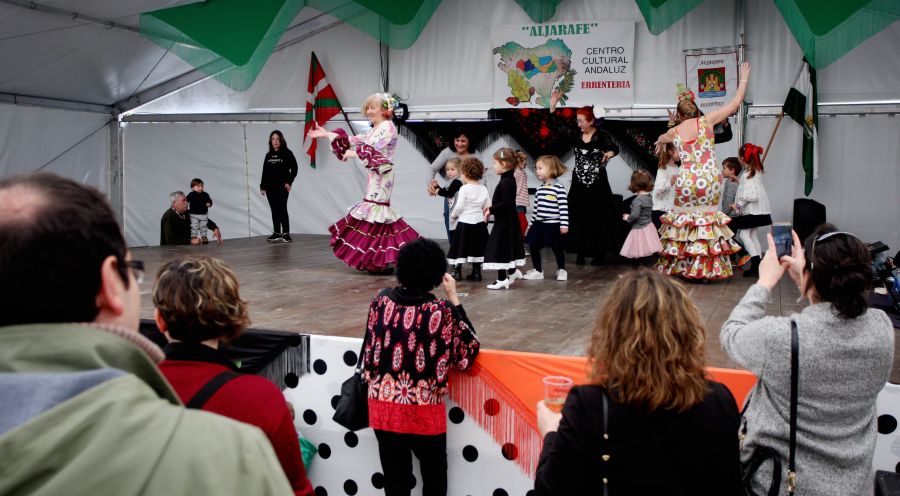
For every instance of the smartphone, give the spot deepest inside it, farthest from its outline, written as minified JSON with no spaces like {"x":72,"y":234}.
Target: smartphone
{"x":781,"y":233}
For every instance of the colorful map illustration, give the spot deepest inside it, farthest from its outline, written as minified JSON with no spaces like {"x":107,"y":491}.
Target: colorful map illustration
{"x":536,"y":71}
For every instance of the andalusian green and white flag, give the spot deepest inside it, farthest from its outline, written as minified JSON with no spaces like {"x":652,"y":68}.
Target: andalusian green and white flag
{"x":801,"y":105}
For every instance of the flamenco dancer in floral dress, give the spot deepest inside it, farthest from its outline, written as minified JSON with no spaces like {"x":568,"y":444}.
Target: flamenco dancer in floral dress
{"x":371,"y":234}
{"x":695,"y":235}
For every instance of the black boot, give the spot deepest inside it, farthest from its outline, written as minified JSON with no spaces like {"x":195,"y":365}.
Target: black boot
{"x":579,"y":260}
{"x":476,"y":273}
{"x":753,"y":271}
{"x":457,"y":272}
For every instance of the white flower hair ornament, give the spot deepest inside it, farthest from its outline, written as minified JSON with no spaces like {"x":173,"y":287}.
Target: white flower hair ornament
{"x":393,"y":103}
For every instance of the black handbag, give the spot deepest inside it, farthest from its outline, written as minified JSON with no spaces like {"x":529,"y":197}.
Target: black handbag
{"x":763,"y":453}
{"x":352,"y":409}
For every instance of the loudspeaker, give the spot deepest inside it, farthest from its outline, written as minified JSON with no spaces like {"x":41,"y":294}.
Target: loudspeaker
{"x":808,"y":215}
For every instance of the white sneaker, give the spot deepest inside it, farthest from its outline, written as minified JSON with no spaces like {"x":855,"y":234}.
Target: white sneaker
{"x":562,"y":275}
{"x":533,"y":275}
{"x":515,"y":275}
{"x":504,"y":284}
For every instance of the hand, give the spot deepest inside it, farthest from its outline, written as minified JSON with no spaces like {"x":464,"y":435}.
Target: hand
{"x":564,"y":230}
{"x":608,"y":155}
{"x":195,"y":241}
{"x":349,"y":154}
{"x":208,"y":205}
{"x":673,"y":180}
{"x":659,"y":146}
{"x":671,"y":117}
{"x":770,"y":268}
{"x":796,"y":261}
{"x":745,"y":72}
{"x":554,"y":97}
{"x":487,"y":213}
{"x":735,"y":206}
{"x":317,"y":132}
{"x":262,"y":192}
{"x":548,"y":420}
{"x":625,"y":217}
{"x":449,"y":284}
{"x":218,"y":235}
{"x":287,"y":187}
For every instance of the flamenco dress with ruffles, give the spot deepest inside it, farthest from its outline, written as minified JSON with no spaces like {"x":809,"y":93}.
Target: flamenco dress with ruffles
{"x":372,"y":233}
{"x":696,"y":239}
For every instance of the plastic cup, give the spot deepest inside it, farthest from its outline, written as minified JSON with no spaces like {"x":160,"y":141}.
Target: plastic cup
{"x":556,"y":388}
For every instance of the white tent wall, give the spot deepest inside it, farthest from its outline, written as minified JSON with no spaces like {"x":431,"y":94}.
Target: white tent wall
{"x":163,"y":158}
{"x":859,"y":174}
{"x":34,"y":138}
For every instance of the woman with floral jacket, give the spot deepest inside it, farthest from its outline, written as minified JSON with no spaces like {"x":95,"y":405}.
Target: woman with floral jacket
{"x":413,"y":339}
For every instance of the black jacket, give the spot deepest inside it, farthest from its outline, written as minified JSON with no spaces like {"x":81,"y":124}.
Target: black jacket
{"x":279,"y":168}
{"x":664,"y":452}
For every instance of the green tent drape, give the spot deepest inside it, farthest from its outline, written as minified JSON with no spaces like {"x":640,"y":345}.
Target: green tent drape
{"x":228,"y":39}
{"x":661,"y":14}
{"x":539,"y":10}
{"x":828,"y":29}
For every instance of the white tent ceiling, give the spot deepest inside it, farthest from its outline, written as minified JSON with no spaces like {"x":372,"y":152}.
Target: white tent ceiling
{"x":48,"y":54}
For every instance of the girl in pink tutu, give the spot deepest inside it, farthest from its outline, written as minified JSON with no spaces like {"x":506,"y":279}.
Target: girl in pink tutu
{"x":371,"y":234}
{"x":642,"y":243}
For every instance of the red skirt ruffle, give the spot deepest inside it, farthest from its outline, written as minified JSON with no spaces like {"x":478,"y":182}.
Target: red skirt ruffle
{"x":367,"y":245}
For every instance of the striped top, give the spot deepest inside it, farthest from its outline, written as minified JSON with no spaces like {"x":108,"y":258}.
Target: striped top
{"x":551,"y":205}
{"x":521,"y":187}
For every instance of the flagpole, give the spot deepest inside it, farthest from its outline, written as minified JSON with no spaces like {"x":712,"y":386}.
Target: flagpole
{"x":772,"y":137}
{"x":781,"y":116}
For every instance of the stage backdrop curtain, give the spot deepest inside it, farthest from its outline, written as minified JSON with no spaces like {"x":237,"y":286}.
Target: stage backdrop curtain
{"x":68,"y":143}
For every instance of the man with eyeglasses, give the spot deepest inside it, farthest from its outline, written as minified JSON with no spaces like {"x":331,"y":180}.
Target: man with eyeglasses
{"x":83,"y":407}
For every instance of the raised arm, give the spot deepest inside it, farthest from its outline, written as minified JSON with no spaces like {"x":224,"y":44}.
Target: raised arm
{"x":721,"y":114}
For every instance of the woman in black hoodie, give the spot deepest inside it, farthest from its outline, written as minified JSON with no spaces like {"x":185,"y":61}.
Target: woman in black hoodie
{"x":279,"y":171}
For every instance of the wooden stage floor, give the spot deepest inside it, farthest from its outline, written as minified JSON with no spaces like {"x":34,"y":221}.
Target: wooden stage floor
{"x":302,"y":287}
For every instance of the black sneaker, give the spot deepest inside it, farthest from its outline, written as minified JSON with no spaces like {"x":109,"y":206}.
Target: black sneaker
{"x":274,"y":237}
{"x":287,"y":238}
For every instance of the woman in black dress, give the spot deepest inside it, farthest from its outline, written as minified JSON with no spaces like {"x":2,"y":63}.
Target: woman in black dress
{"x":592,"y":214}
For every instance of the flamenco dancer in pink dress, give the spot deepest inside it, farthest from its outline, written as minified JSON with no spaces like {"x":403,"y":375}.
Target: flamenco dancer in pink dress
{"x":371,"y":234}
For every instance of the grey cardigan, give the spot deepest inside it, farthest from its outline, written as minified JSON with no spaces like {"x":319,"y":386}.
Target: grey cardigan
{"x":843,"y":364}
{"x":641,"y":211}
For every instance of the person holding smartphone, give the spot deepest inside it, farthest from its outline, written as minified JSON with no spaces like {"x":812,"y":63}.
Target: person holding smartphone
{"x":845,"y":356}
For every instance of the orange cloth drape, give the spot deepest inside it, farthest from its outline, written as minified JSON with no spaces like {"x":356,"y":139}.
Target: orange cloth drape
{"x":502,"y":390}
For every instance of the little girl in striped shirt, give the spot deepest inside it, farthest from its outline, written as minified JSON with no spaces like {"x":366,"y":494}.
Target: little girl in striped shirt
{"x":550,"y":219}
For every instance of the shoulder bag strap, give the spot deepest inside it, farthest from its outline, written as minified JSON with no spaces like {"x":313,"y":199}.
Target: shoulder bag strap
{"x":795,"y":351}
{"x":605,"y":439}
{"x":209,"y":389}
{"x":362,"y":351}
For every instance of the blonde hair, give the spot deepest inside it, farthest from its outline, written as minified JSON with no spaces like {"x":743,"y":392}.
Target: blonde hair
{"x":507,"y":157}
{"x":554,"y":165}
{"x":647,"y":346}
{"x":198,"y":298}
{"x":376,"y":99}
{"x":454,"y":162}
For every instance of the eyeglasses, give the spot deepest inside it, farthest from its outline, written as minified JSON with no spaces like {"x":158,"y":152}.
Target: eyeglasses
{"x":823,"y":237}
{"x":137,"y":268}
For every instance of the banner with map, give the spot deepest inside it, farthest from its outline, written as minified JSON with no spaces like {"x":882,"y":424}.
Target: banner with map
{"x":590,"y":63}
{"x":712,"y":74}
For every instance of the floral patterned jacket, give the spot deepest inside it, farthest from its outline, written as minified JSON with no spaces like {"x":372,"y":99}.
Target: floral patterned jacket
{"x":412,"y":341}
